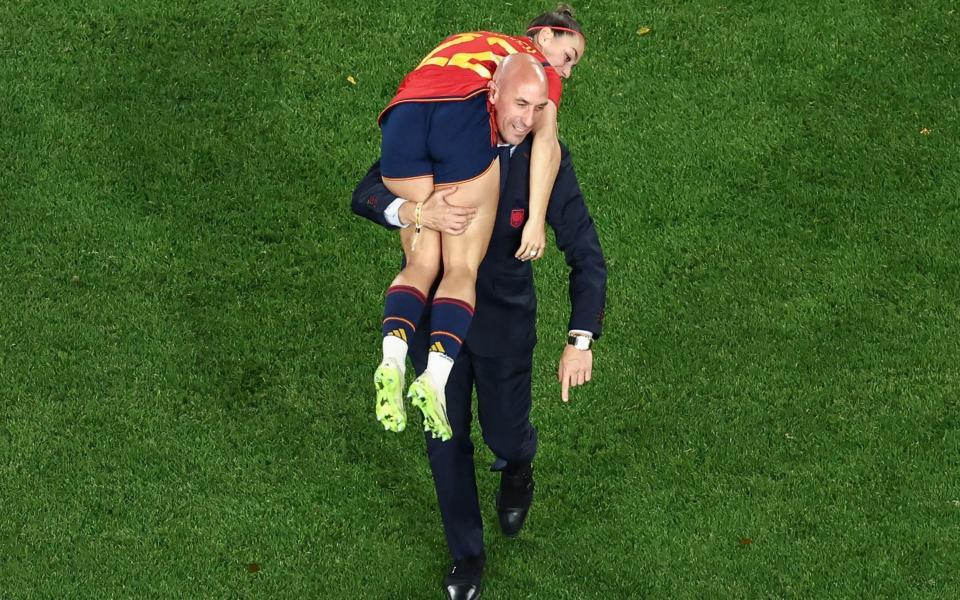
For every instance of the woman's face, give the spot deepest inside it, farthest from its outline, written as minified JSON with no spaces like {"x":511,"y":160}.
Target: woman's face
{"x":563,"y":51}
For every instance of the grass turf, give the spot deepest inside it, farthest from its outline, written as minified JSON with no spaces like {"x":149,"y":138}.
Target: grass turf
{"x":191,"y":312}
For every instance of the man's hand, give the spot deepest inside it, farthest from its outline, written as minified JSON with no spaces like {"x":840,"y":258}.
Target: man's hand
{"x":576,"y":367}
{"x":533,"y":241}
{"x":438,"y":214}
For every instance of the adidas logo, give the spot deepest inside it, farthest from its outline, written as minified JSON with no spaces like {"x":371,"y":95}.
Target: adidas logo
{"x":399,"y":333}
{"x":437,"y":347}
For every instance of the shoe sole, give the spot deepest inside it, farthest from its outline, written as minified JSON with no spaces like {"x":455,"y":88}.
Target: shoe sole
{"x":435,"y":419}
{"x":390,"y":411}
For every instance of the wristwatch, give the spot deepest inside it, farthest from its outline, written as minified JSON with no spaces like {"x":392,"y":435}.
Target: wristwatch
{"x":580,"y":341}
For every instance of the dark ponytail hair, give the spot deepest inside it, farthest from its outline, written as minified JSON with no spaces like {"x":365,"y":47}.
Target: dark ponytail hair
{"x":561,"y":16}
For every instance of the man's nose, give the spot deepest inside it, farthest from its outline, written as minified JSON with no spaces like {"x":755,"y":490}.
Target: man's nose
{"x":528,"y":117}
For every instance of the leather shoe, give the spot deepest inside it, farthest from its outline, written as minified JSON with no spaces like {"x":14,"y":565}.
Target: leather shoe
{"x":465,"y":579}
{"x":514,"y":500}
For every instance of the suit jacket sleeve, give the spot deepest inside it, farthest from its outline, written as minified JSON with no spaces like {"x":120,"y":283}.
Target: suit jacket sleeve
{"x":577,"y":238}
{"x":371,"y":197}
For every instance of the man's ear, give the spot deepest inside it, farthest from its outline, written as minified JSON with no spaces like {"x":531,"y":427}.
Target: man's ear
{"x":492,"y":91}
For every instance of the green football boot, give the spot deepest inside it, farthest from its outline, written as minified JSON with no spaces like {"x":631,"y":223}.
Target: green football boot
{"x":433,"y":404}
{"x":390,"y":411}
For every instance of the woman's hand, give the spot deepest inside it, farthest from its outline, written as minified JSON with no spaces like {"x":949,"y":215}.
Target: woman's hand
{"x":533,"y":241}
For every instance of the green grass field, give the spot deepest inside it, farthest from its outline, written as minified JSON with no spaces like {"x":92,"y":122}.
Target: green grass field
{"x":189,"y":312}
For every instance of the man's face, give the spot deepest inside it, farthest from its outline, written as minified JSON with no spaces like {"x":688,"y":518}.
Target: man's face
{"x":516,"y":107}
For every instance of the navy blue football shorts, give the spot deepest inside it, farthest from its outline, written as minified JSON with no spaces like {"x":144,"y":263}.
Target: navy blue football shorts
{"x":451,"y":140}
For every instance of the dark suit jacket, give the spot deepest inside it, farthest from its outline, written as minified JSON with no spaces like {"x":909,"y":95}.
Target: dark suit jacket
{"x":505,"y":318}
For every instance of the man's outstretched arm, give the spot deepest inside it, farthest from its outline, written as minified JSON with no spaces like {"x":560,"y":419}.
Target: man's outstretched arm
{"x":577,"y":237}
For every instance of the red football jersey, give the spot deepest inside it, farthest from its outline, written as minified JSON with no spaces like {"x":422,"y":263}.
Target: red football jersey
{"x":463,"y":64}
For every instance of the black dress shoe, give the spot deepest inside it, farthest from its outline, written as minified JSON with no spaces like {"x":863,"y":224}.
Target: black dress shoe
{"x":514,"y":499}
{"x":465,"y":579}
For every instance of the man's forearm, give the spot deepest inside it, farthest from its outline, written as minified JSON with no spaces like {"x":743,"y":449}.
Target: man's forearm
{"x":577,"y":238}
{"x":371,"y":198}
{"x":435,"y":213}
{"x":406,"y":212}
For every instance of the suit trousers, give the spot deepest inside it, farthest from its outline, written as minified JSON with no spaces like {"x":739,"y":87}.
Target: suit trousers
{"x":503,"y":385}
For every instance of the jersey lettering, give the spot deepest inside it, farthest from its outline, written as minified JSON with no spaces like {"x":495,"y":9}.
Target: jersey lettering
{"x":468,"y":60}
{"x":462,"y":67}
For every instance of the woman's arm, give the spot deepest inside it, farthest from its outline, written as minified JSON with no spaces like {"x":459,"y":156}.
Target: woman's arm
{"x":544,"y":163}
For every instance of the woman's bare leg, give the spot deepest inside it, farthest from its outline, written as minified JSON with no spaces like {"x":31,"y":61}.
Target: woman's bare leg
{"x":404,"y":305}
{"x":452,"y":308}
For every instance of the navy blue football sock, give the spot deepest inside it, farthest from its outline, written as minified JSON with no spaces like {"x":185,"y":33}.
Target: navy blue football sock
{"x":402,"y":311}
{"x":449,"y":321}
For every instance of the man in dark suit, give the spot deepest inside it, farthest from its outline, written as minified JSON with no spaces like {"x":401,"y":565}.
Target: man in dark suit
{"x":497,"y":353}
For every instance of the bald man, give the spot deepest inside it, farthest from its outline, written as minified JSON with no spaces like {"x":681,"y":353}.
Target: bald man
{"x":428,"y":145}
{"x":497,"y":355}
{"x":518,"y":92}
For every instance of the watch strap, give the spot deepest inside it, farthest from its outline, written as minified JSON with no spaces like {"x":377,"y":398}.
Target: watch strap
{"x":580,"y":342}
